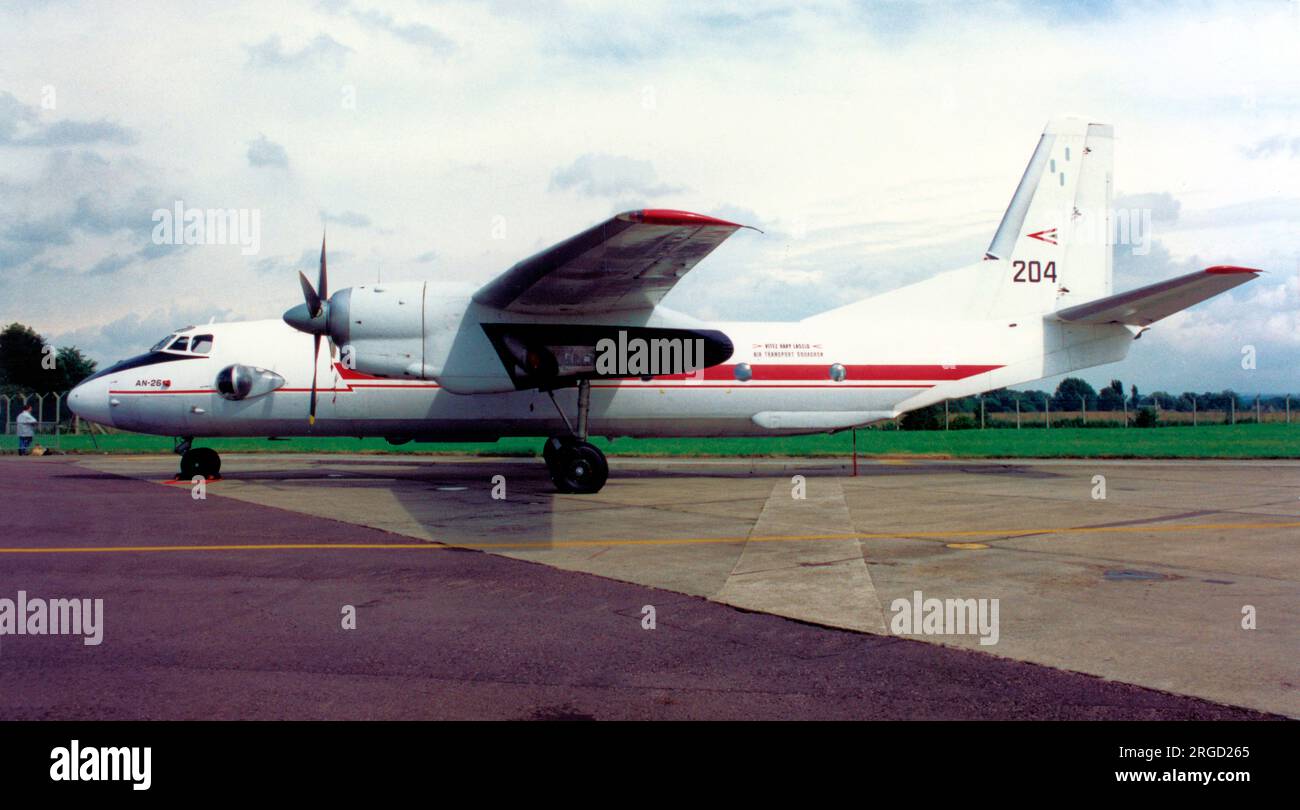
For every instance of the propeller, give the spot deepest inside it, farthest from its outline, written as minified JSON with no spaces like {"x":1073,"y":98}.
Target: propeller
{"x":312,"y":316}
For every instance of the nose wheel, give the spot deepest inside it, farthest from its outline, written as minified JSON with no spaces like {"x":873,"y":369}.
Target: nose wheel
{"x":202,"y":461}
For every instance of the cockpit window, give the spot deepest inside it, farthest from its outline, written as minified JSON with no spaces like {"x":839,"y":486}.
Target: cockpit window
{"x":157,"y":347}
{"x":182,"y":343}
{"x":202,"y":344}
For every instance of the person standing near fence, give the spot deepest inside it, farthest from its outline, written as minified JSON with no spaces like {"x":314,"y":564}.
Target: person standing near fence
{"x":26,"y":430}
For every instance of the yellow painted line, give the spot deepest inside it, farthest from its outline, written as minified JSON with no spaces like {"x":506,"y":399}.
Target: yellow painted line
{"x":667,"y":541}
{"x":968,"y":546}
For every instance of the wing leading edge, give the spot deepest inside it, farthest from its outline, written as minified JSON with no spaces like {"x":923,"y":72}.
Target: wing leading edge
{"x":628,"y":262}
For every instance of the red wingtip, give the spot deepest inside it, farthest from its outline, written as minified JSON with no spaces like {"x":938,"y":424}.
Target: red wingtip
{"x":667,"y":216}
{"x":1228,"y":269}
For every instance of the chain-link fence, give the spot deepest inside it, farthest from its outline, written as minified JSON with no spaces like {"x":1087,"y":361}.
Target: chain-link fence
{"x":53,"y":419}
{"x":1273,"y":409}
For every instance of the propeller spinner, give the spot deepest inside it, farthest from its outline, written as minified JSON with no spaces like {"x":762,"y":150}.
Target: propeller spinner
{"x":312,"y":317}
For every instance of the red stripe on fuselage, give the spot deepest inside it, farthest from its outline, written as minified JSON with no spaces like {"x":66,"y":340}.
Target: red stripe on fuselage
{"x":821,"y":371}
{"x":352,"y":374}
{"x":783,"y":375}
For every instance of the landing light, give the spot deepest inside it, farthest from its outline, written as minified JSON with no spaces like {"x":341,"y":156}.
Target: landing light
{"x":241,"y":382}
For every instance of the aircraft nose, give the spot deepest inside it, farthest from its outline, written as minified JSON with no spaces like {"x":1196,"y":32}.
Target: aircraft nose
{"x":75,"y":398}
{"x":89,"y":400}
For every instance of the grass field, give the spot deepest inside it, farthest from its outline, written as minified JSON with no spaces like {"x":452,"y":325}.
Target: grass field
{"x":1206,"y":441}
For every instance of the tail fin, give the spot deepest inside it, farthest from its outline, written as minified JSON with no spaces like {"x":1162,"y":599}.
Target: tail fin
{"x":1052,"y":249}
{"x":1056,"y":234}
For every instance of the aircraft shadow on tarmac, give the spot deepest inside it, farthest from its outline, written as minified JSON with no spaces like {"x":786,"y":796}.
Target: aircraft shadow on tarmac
{"x":452,"y":501}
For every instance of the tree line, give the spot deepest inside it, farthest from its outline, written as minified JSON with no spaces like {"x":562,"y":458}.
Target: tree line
{"x":1074,"y":395}
{"x":29,"y":365}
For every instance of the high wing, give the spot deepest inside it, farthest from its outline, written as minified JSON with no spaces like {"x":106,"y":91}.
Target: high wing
{"x":1146,"y":305}
{"x":628,"y":262}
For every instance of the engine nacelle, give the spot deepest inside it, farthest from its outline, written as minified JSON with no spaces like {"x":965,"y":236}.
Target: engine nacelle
{"x":380,"y":329}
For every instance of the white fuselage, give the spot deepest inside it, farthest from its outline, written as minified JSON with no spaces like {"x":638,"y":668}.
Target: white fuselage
{"x":889,"y":367}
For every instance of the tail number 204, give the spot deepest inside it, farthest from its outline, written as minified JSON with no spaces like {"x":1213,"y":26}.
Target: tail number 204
{"x":1033,"y":272}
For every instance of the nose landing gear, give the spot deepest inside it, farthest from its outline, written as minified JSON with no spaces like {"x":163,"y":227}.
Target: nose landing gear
{"x":575,"y":464}
{"x":202,"y":461}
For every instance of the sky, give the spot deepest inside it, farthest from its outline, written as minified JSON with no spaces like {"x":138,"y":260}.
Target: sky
{"x":874,"y":144}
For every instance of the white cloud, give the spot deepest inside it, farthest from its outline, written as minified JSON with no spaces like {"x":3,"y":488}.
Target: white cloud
{"x":602,"y":175}
{"x":322,"y":51}
{"x":262,"y":151}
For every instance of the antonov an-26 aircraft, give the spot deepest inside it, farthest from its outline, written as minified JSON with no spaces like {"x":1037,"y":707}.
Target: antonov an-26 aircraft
{"x":573,"y":341}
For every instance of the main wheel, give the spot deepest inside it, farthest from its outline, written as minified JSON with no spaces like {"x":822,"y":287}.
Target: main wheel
{"x":578,"y":468}
{"x":202,"y":461}
{"x":554,"y":445}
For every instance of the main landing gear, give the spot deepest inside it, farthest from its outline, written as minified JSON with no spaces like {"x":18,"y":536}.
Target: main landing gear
{"x":575,"y":464}
{"x":202,"y":461}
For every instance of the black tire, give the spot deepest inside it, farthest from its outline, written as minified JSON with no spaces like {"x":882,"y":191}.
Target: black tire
{"x":579,"y":468}
{"x":202,"y":461}
{"x":554,"y":445}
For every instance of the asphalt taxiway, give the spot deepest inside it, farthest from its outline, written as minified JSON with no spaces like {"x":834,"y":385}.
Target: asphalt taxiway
{"x":1120,"y":597}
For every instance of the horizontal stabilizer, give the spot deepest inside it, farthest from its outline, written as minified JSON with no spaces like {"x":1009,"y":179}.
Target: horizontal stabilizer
{"x":1146,"y":305}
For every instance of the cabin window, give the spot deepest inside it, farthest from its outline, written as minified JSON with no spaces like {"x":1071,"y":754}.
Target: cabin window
{"x":202,"y":344}
{"x":182,"y":343}
{"x":160,"y":345}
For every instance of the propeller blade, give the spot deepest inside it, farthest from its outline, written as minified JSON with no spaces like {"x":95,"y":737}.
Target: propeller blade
{"x":313,"y":300}
{"x":315,"y":364}
{"x":314,"y":306}
{"x":322,"y":283}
